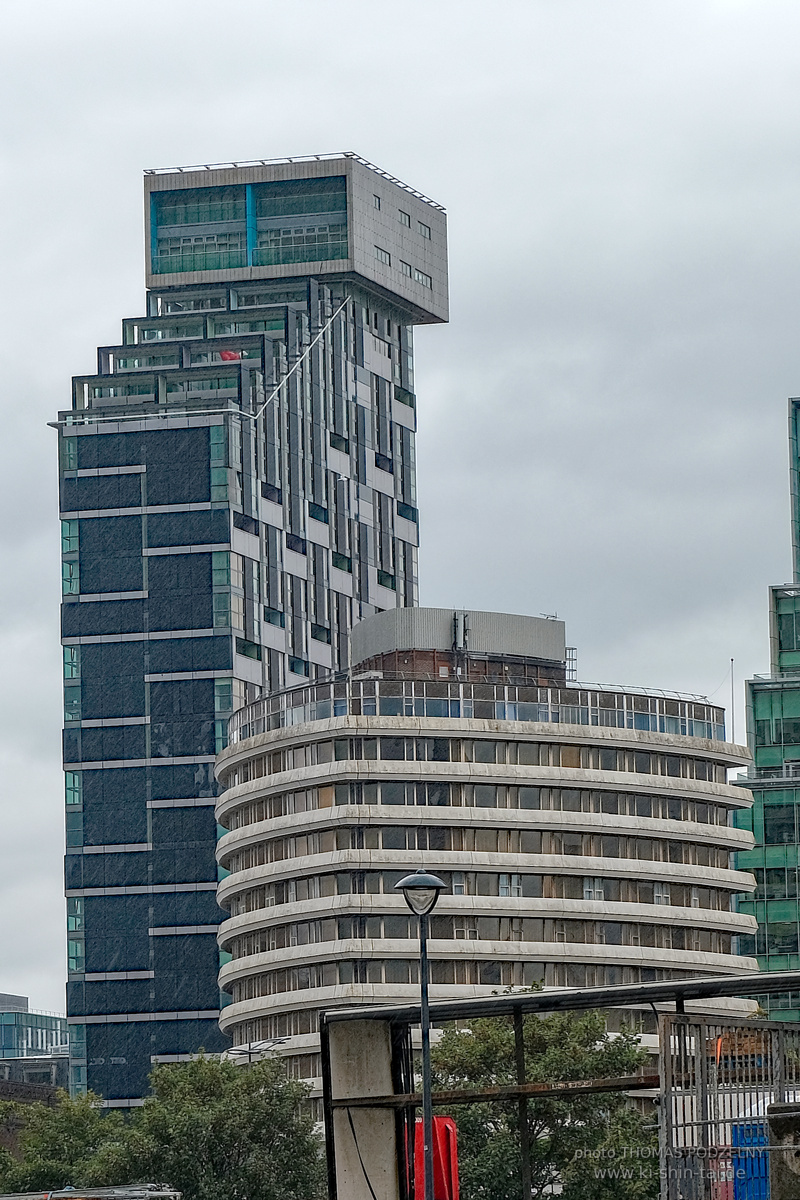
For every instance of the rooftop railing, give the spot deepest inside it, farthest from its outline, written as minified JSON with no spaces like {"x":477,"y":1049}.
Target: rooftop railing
{"x":785,"y":771}
{"x":303,"y":158}
{"x":654,"y":713}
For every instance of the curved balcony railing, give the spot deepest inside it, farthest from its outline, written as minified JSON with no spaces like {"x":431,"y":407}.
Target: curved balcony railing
{"x":617,"y":709}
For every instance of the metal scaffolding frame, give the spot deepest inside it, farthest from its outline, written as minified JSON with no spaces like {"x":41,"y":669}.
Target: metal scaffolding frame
{"x":684,"y":1068}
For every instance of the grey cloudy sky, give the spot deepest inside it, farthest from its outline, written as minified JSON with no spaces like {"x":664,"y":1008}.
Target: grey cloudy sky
{"x":603,"y":423}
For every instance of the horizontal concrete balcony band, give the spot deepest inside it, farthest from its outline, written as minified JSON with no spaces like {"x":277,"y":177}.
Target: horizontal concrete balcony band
{"x":550,"y":820}
{"x":730,"y":1006}
{"x":590,"y":779}
{"x":472,"y":817}
{"x":475,"y":950}
{"x":532,"y":864}
{"x":481,"y":863}
{"x":728,"y":753}
{"x":350,"y":994}
{"x":366,"y":905}
{"x":308,"y":1043}
{"x":361,"y":769}
{"x":296,"y":1043}
{"x":722,"y":1006}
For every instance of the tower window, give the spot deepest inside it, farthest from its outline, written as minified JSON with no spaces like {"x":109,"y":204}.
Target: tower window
{"x":510,"y":885}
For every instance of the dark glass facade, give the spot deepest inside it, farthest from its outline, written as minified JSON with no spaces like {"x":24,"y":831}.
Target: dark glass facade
{"x":144,"y":712}
{"x":237,"y":487}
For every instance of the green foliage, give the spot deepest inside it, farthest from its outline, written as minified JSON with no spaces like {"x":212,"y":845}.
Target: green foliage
{"x":57,"y":1145}
{"x":213,"y":1130}
{"x":573,"y":1142}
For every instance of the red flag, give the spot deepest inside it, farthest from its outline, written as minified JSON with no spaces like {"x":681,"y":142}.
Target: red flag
{"x":230,"y":355}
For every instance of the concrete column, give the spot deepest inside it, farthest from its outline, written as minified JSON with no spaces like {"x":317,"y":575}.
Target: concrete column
{"x":784,"y":1162}
{"x":365,"y":1140}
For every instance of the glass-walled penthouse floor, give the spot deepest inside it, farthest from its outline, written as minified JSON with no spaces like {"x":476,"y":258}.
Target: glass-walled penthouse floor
{"x":659,"y":713}
{"x":263,"y":224}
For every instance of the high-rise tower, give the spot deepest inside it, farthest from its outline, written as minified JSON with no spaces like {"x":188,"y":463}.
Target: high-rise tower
{"x":237,"y":488}
{"x":773,"y":730}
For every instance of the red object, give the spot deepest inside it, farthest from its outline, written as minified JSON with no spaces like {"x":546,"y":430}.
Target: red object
{"x":445,"y":1160}
{"x":230,"y":355}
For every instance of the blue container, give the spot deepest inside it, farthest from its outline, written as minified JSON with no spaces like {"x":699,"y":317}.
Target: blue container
{"x":750,"y":1167}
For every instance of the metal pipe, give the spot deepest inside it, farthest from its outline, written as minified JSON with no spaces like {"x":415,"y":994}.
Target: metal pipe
{"x":427,"y":1104}
{"x":559,"y":1089}
{"x":522,"y":1106}
{"x":327,"y":1105}
{"x":565,"y":999}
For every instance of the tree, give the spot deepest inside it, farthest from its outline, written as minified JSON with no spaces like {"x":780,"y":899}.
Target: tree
{"x":596,"y":1147}
{"x":58,"y":1146}
{"x":211,"y":1129}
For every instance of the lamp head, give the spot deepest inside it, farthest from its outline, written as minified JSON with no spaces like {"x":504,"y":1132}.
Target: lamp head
{"x":421,"y":891}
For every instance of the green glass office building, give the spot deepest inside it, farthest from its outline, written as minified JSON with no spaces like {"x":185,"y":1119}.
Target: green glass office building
{"x":773,"y":731}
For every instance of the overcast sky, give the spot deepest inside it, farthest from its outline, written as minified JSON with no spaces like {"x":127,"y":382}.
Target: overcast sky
{"x":602,"y":426}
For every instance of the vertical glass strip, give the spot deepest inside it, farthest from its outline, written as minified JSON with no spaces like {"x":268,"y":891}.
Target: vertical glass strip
{"x":153,"y":231}
{"x":250,"y":216}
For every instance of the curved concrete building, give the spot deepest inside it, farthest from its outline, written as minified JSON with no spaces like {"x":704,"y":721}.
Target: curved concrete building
{"x":584,"y":833}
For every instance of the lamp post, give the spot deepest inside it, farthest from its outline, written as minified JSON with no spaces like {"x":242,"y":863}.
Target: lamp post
{"x":247,"y":1050}
{"x":421,"y":891}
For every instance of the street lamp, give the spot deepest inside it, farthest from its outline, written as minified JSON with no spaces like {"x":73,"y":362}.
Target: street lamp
{"x":421,"y":891}
{"x":247,"y":1050}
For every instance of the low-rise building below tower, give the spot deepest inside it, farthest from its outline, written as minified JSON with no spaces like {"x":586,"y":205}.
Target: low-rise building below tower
{"x":584,"y":833}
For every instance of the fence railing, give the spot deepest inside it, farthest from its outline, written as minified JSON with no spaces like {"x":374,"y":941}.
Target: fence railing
{"x":718,"y":1078}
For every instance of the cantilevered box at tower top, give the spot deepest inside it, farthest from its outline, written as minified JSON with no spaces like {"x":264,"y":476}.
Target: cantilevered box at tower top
{"x":331,"y":216}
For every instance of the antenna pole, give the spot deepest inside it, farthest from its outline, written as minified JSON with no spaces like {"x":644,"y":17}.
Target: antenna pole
{"x":733,"y":702}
